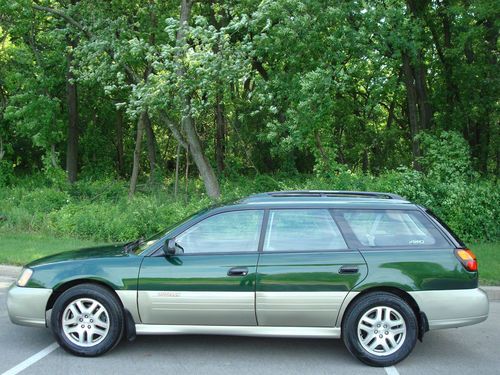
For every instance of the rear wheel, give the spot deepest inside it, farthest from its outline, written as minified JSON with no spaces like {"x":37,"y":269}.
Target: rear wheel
{"x":87,"y":320}
{"x":380,"y":329}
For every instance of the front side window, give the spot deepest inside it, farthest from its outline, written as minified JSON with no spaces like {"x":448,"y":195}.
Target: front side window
{"x":224,"y":232}
{"x":382,"y":228}
{"x":302,"y":229}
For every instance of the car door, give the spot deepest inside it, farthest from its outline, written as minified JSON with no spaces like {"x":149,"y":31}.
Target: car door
{"x":305,"y":270}
{"x":213,"y":281}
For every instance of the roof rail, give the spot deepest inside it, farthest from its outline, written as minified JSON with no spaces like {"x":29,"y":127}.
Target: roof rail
{"x":333,"y":193}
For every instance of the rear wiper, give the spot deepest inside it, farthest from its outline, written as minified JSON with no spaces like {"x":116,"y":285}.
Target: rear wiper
{"x":133,"y":245}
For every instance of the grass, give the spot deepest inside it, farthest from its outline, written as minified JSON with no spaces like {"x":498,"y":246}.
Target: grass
{"x":21,"y":248}
{"x":488,"y":257}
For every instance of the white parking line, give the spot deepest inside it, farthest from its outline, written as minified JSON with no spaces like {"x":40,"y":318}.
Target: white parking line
{"x":391,"y":370}
{"x":31,"y":360}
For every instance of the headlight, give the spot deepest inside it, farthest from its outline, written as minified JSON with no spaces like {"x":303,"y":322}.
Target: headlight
{"x":25,"y":277}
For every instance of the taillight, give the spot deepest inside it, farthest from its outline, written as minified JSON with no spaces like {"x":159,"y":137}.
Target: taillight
{"x":467,"y":258}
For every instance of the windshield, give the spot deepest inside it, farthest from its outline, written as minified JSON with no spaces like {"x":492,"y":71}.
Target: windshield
{"x":145,"y":244}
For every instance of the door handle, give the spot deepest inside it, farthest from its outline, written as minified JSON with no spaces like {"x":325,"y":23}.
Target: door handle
{"x":348,"y":269}
{"x":237,"y":271}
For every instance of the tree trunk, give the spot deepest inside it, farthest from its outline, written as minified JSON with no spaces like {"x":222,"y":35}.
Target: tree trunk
{"x":220,"y":120}
{"x":390,"y":113}
{"x":452,"y":92}
{"x":411,"y":98}
{"x":72,"y":133}
{"x":206,"y":171}
{"x":151,"y":143}
{"x":490,"y":122}
{"x":321,"y":149}
{"x":220,"y":137}
{"x":137,"y":154}
{"x":497,"y":169}
{"x":424,"y":105}
{"x":199,"y":158}
{"x":186,"y":181}
{"x":120,"y":163}
{"x":2,"y":151}
{"x":417,"y":9}
{"x":53,"y":156}
{"x":177,"y":159}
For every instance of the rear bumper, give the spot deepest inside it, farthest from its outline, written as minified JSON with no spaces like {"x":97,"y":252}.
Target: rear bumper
{"x":26,"y":306}
{"x":453,"y":308}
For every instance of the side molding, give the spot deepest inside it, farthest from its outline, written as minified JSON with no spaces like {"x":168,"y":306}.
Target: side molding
{"x":259,"y":331}
{"x":212,"y":308}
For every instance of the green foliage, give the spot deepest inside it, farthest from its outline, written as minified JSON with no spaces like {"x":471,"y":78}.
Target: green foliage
{"x":262,"y":183}
{"x":100,"y":210}
{"x":6,"y":172}
{"x":308,"y":86}
{"x":296,"y":94}
{"x":54,"y":175}
{"x":446,"y":157}
{"x":120,"y":220}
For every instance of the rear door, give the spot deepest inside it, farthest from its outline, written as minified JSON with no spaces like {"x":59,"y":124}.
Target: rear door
{"x":213,"y":282}
{"x":404,"y":249}
{"x":305,"y":269}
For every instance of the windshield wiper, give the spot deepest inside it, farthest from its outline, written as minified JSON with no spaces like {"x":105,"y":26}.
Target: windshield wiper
{"x":133,"y":245}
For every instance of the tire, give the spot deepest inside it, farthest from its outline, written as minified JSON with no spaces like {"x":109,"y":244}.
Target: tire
{"x":366,"y":338}
{"x":87,"y":320}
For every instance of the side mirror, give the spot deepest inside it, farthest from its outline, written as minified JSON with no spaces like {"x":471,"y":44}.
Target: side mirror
{"x":171,"y":248}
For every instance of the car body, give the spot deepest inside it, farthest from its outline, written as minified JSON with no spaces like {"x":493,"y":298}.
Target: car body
{"x":370,"y":268}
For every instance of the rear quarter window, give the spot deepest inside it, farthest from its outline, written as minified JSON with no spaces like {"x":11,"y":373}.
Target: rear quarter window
{"x":393,"y":228}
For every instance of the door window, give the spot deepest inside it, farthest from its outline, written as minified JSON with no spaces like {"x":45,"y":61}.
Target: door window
{"x":382,"y":228}
{"x":302,"y":229}
{"x":224,"y":232}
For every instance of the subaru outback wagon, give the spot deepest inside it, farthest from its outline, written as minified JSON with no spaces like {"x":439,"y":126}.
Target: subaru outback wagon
{"x":370,"y":268}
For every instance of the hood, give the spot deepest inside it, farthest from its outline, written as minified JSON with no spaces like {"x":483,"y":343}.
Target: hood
{"x":107,"y":251}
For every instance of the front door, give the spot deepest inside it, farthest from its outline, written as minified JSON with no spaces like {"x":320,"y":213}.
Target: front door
{"x":305,"y":270}
{"x":213,"y":282}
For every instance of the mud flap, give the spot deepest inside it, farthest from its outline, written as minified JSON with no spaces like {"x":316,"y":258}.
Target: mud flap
{"x":130,"y":333}
{"x":423,"y":325}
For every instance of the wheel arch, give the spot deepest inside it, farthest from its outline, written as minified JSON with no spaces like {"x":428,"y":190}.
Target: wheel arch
{"x":128,"y":316}
{"x":70,"y":284}
{"x":423,"y":324}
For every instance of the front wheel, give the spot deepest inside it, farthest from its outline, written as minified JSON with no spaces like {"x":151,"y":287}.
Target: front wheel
{"x":380,"y":329}
{"x":87,"y":320}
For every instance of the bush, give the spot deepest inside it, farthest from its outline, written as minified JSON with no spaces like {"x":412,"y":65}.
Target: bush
{"x":446,"y":157}
{"x":101,"y":210}
{"x":6,"y":172}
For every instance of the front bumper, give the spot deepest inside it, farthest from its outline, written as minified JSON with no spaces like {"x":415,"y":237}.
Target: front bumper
{"x":453,"y":308}
{"x":26,"y":306}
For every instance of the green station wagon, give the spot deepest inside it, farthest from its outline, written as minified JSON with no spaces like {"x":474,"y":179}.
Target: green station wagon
{"x":370,"y":268}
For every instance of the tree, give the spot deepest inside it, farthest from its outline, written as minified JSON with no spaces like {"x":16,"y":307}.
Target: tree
{"x":290,"y":86}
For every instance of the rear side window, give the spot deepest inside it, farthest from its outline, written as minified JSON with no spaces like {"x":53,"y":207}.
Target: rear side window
{"x":302,"y":230}
{"x":389,"y":228}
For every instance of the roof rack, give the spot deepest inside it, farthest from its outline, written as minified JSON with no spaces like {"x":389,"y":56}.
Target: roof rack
{"x":333,"y":193}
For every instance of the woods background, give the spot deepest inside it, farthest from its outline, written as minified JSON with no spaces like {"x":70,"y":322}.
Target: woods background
{"x":119,"y":117}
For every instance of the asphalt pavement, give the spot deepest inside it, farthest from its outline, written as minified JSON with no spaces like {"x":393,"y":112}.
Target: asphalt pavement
{"x":467,"y":350}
